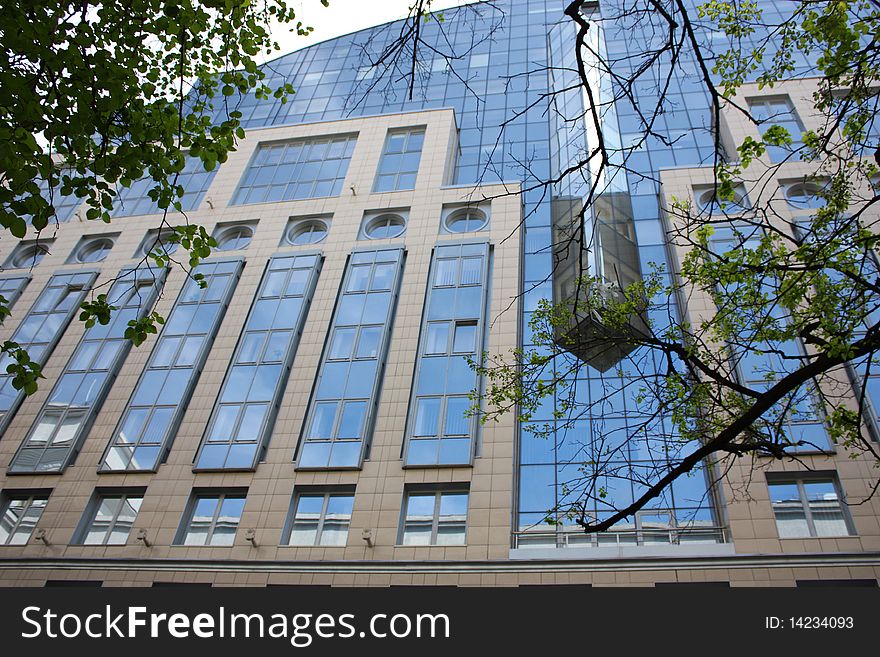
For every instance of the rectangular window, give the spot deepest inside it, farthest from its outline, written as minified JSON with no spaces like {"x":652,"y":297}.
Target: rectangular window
{"x":798,"y":420}
{"x":434,"y":518}
{"x":11,"y":288}
{"x":808,"y":506}
{"x":21,"y":513}
{"x":64,"y":421}
{"x":212,"y":518}
{"x":440,"y":429}
{"x":64,"y":205}
{"x":338,"y":424}
{"x":135,"y":200}
{"x":399,"y":165}
{"x":321,"y":518}
{"x":145,"y":432}
{"x":860,"y":120}
{"x":244,"y":414}
{"x":111,"y":517}
{"x":305,"y":168}
{"x":778,"y":111}
{"x":41,"y":329}
{"x":864,"y":372}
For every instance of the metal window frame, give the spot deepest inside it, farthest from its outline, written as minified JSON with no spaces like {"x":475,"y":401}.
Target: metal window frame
{"x":479,"y":348}
{"x":150,"y":279}
{"x":736,"y":360}
{"x":799,"y":479}
{"x":197,"y":494}
{"x":9,"y":495}
{"x":195,"y":369}
{"x":381,"y":357}
{"x":408,"y":131}
{"x":437,"y":492}
{"x":274,"y":404}
{"x":14,"y":294}
{"x":766,"y":101}
{"x":91,"y":275}
{"x":326,"y":492}
{"x":91,"y":511}
{"x":186,"y":175}
{"x":350,"y":137}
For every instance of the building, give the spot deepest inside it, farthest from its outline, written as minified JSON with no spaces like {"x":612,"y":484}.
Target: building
{"x":302,"y":420}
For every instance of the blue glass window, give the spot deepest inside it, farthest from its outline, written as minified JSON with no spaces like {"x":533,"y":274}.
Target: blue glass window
{"x":305,"y":168}
{"x":244,"y":414}
{"x":63,"y":422}
{"x":41,"y":329}
{"x":399,"y":165}
{"x":441,"y":431}
{"x":339,"y":420}
{"x":147,"y":428}
{"x":135,"y":200}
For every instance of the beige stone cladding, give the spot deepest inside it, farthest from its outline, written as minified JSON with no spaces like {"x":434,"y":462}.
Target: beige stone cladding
{"x":380,"y":484}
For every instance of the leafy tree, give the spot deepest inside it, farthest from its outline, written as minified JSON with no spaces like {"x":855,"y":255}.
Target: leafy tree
{"x":766,"y":338}
{"x":97,"y":95}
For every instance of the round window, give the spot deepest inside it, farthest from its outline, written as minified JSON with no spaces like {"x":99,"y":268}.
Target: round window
{"x":804,"y":196}
{"x":94,"y":250}
{"x":384,"y":226}
{"x":29,"y":255}
{"x":708,"y":202}
{"x":466,"y":220}
{"x":160,"y":243}
{"x":307,"y":232}
{"x":234,"y":238}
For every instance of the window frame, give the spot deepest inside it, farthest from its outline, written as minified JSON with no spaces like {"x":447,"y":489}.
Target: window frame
{"x":326,"y":493}
{"x":29,"y":495}
{"x":226,"y":233}
{"x":303,"y":225}
{"x":221,"y":495}
{"x":228,"y":268}
{"x":460,"y":254}
{"x":437,"y":492}
{"x":91,"y":512}
{"x":408,"y":133}
{"x":262,"y":161}
{"x":29,"y":254}
{"x":387,"y":220}
{"x":797,"y":140}
{"x":800,"y":479}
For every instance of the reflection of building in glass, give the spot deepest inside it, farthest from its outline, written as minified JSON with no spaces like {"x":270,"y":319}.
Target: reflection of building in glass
{"x":314,"y":398}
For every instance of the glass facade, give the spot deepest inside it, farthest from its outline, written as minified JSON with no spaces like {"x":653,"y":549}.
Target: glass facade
{"x":441,"y":429}
{"x":339,"y":422}
{"x":66,"y":417}
{"x":519,"y":120}
{"x":154,"y":411}
{"x":244,"y":414}
{"x":41,"y":329}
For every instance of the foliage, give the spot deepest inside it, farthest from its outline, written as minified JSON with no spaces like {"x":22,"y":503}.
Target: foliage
{"x":97,"y":95}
